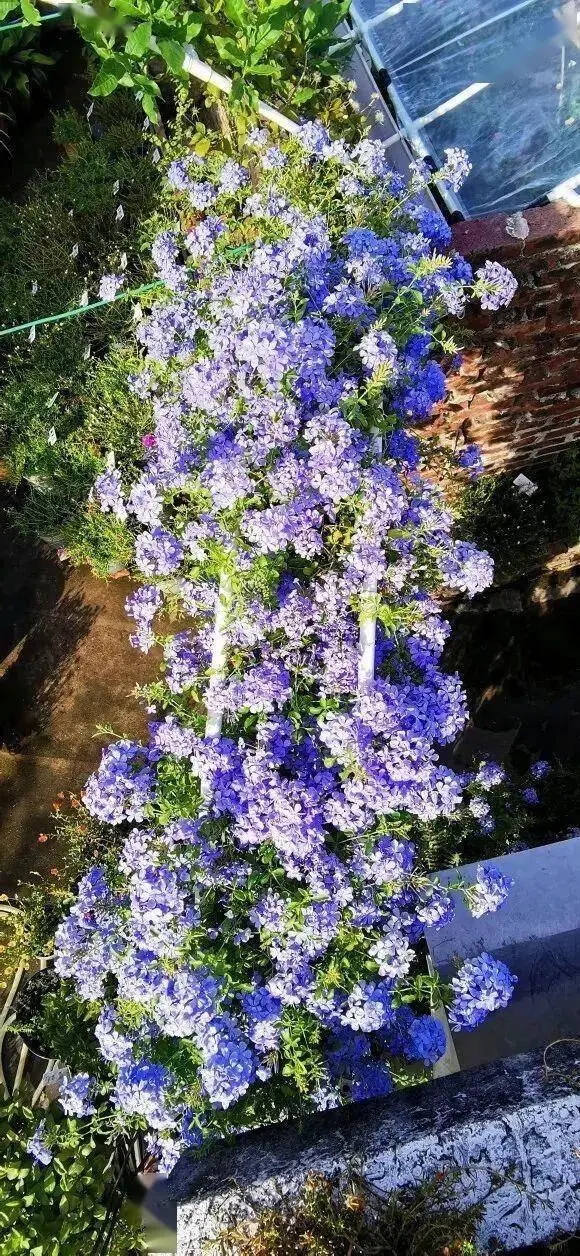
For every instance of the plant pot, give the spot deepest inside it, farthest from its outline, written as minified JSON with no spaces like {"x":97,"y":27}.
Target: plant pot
{"x":28,"y":1004}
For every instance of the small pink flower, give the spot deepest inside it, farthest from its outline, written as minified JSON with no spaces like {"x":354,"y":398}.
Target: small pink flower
{"x":149,"y":441}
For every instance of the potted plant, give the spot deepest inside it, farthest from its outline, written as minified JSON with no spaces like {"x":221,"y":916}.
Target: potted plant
{"x":29,"y":1006}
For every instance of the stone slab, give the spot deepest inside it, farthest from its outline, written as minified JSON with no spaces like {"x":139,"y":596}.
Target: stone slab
{"x":544,"y":902}
{"x":511,"y":1130}
{"x":537,"y":934}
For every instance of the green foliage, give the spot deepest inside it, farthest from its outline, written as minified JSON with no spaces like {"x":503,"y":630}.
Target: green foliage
{"x":61,"y":411}
{"x":22,"y":63}
{"x":284,"y":44}
{"x":59,"y":1210}
{"x":350,"y":1218}
{"x":56,"y":1023}
{"x":76,"y":842}
{"x":519,"y":531}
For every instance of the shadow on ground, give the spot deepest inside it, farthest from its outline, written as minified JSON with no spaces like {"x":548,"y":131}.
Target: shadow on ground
{"x":66,"y":667}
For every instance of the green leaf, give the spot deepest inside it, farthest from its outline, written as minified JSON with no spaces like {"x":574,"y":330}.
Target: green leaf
{"x":108,"y":77}
{"x":237,"y":13}
{"x":266,"y":68}
{"x":6,"y":7}
{"x":30,"y":13}
{"x":172,"y":54}
{"x":303,"y":94}
{"x":267,"y":40}
{"x":228,"y":50}
{"x":126,"y":8}
{"x":139,"y":40}
{"x":148,"y":102}
{"x":193,"y":27}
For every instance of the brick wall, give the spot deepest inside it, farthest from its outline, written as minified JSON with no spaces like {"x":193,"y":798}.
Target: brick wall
{"x":518,"y":390}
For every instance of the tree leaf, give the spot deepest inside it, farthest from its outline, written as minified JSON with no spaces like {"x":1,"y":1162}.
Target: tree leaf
{"x":303,"y":94}
{"x":30,"y":13}
{"x":266,"y":68}
{"x":108,"y":77}
{"x":228,"y":50}
{"x":172,"y":54}
{"x":139,"y":40}
{"x":148,"y":102}
{"x":237,"y":13}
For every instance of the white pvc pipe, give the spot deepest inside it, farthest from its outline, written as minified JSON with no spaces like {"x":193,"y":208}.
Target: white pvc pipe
{"x":201,"y":70}
{"x":368,"y":619}
{"x":213,"y":723}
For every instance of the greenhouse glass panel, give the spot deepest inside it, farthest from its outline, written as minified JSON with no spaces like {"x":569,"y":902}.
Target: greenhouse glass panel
{"x":497,"y":78}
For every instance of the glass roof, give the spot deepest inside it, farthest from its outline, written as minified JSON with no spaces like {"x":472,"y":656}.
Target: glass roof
{"x":501,"y":80}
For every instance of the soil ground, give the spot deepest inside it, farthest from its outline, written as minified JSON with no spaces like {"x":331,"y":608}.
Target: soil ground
{"x":66,"y":666}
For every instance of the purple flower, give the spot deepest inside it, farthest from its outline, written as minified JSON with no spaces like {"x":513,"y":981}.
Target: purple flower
{"x":489,"y":774}
{"x":456,"y":169}
{"x":142,"y":1090}
{"x":229,"y":1064}
{"x":158,"y":552}
{"x":142,"y":606}
{"x":465,"y":567}
{"x":36,"y":1146}
{"x":109,"y":492}
{"x":540,"y":769}
{"x":377,"y":349}
{"x":75,"y":1095}
{"x":471,"y":460}
{"x":232,"y":177}
{"x":482,"y":985}
{"x":488,"y":892}
{"x":530,"y":796}
{"x":313,"y":138}
{"x":419,"y":1038}
{"x":109,"y":286}
{"x":496,"y":285}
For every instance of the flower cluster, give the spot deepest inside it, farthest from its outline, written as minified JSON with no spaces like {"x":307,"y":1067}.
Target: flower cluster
{"x":252,"y":952}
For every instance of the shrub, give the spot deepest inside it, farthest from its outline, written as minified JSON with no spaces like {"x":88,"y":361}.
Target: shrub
{"x":520,"y":531}
{"x":55,"y":1205}
{"x":60,"y":410}
{"x":337,"y":1218}
{"x":255,"y":953}
{"x":291,"y":46}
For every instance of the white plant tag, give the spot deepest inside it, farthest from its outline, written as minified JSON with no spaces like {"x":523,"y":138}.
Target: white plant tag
{"x":524,"y":485}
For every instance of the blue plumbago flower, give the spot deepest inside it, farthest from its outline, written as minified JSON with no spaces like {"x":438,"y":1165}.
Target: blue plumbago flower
{"x":232,"y":177}
{"x":489,"y":891}
{"x":420,"y":1038}
{"x":142,"y":1090}
{"x":539,"y":769}
{"x":456,"y":168}
{"x":109,"y":492}
{"x":270,"y":849}
{"x":496,"y":285}
{"x":530,"y":795}
{"x":142,"y":606}
{"x":314,"y":138}
{"x":471,"y":460}
{"x":109,"y":286}
{"x":36,"y":1146}
{"x":489,"y":774}
{"x":229,"y":1064}
{"x":123,"y":784}
{"x":75,"y":1095}
{"x":377,"y":349}
{"x":482,"y":985}
{"x":467,"y":568}
{"x":158,"y":552}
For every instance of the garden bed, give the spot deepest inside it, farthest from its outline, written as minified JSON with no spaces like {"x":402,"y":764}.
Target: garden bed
{"x":239,"y":915}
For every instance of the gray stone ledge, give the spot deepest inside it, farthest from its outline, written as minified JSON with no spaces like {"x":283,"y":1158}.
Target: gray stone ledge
{"x":511,"y":1130}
